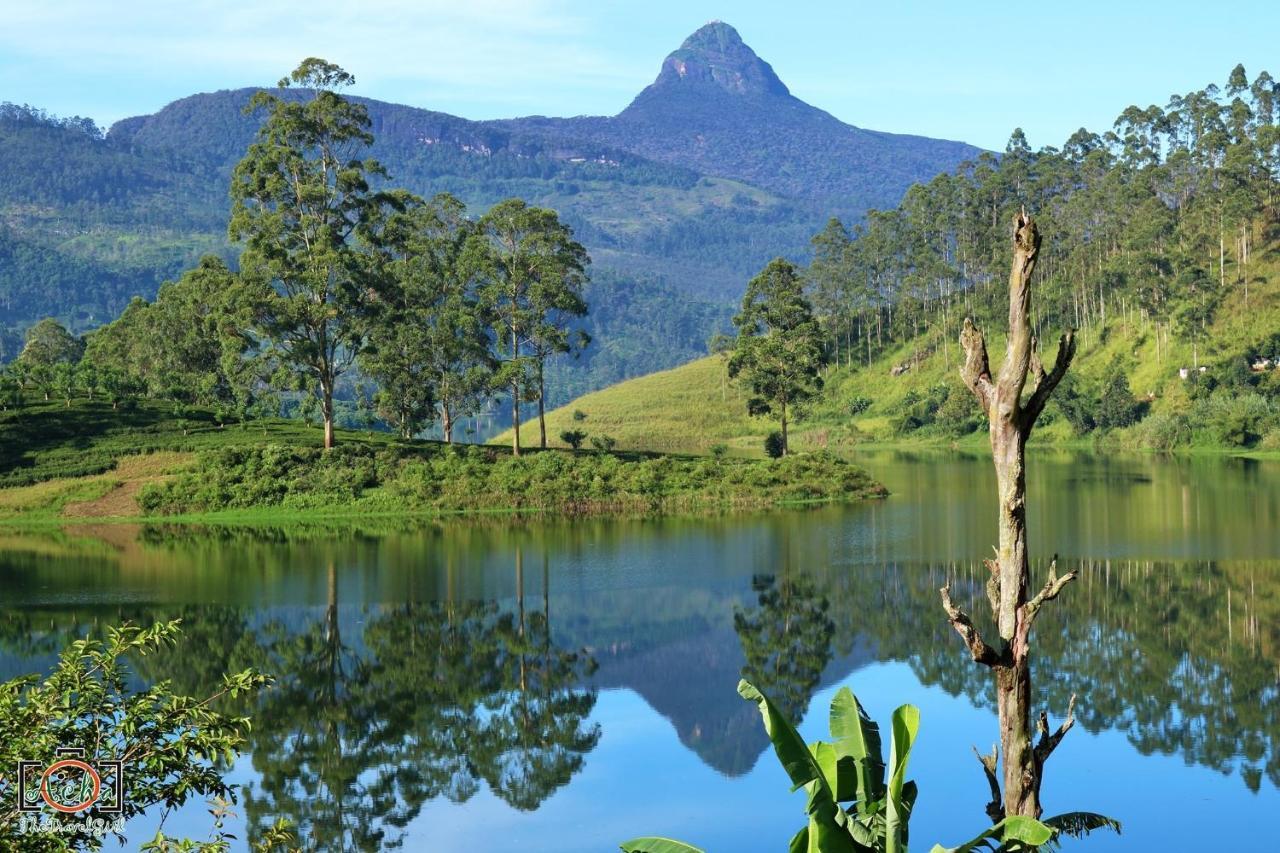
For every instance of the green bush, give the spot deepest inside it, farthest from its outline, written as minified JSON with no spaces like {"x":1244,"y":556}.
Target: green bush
{"x":921,"y":410}
{"x":604,"y":443}
{"x":1163,"y":431}
{"x":1077,"y":403}
{"x":773,"y":446}
{"x":437,"y":477}
{"x":176,"y":747}
{"x":573,"y":437}
{"x":858,"y":405}
{"x":1117,"y":407}
{"x":1236,"y":421}
{"x":959,"y":413}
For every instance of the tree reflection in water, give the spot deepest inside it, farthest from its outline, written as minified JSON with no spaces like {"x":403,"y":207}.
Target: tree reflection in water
{"x":381,"y":708}
{"x":439,"y":697}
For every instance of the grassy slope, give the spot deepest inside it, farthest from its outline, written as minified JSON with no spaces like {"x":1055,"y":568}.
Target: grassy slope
{"x":689,"y":408}
{"x":87,"y":462}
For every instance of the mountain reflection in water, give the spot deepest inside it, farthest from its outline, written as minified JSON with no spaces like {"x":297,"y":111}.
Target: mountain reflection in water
{"x":464,"y":662}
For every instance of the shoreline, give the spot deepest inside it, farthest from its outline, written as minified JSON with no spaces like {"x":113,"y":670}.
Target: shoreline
{"x":272,"y":515}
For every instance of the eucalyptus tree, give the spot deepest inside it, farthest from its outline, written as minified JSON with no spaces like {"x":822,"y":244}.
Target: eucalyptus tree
{"x":554,"y":335}
{"x":428,"y":345}
{"x":779,"y":350}
{"x":302,"y":206}
{"x":829,"y":279}
{"x":527,"y":267}
{"x":47,"y":346}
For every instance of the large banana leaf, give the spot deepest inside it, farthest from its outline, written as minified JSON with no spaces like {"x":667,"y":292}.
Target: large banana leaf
{"x":1022,"y":830}
{"x":827,"y":830}
{"x":906,"y":723}
{"x":653,"y":844}
{"x":857,"y":737}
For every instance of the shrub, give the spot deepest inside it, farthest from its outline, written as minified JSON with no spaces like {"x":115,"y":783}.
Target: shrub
{"x":579,"y":415}
{"x":958,"y":414}
{"x":719,"y":451}
{"x":573,"y":437}
{"x":1117,"y":406}
{"x":1076,"y":402}
{"x":174,"y":745}
{"x":773,"y":446}
{"x":1163,"y":431}
{"x":1239,"y":421}
{"x":603,"y":443}
{"x":858,"y":405}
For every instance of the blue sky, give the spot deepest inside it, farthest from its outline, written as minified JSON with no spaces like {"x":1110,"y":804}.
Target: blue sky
{"x":968,"y":71}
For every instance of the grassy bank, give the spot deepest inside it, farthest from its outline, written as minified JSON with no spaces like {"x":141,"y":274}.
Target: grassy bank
{"x":90,"y":462}
{"x":911,"y":394}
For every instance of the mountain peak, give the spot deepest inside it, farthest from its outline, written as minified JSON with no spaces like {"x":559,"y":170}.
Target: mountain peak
{"x":716,"y":57}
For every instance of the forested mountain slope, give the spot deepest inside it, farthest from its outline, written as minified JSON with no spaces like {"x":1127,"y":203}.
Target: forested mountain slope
{"x":710,"y":172}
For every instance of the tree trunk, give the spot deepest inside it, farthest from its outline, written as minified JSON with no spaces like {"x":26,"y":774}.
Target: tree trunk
{"x":326,"y":412}
{"x":446,"y":423}
{"x":1011,"y":421}
{"x":542,"y":413}
{"x":784,"y":427}
{"x":515,"y":396}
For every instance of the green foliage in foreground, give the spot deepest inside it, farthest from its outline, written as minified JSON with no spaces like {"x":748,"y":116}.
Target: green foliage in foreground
{"x":851,"y":769}
{"x":423,"y":477}
{"x":173,"y":747}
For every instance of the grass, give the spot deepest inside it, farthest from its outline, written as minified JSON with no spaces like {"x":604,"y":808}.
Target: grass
{"x":686,"y":409}
{"x":42,"y":441}
{"x":88,"y":463}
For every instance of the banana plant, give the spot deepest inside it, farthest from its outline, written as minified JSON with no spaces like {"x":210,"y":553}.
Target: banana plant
{"x":850,"y":769}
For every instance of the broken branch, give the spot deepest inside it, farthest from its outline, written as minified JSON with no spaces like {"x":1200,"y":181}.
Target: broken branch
{"x":976,"y":370}
{"x":978,"y":648}
{"x":995,"y":808}
{"x":1045,"y":383}
{"x":1013,"y":373}
{"x":1049,"y":742}
{"x":1052,"y":587}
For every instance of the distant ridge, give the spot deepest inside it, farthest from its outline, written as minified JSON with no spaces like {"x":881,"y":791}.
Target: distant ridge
{"x":712,"y":170}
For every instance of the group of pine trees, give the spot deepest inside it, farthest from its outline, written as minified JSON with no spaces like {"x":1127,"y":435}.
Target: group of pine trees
{"x":337,"y":276}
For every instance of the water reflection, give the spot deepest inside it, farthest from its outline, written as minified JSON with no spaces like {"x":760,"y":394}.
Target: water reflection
{"x":449,"y":663}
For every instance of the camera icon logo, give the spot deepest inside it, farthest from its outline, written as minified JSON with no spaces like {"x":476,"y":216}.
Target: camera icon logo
{"x":71,"y":784}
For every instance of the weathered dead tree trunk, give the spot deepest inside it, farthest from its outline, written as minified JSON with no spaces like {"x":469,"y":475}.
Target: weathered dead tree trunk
{"x":1011,"y":420}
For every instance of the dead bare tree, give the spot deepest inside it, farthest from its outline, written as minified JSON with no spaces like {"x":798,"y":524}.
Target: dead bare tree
{"x":1011,"y":420}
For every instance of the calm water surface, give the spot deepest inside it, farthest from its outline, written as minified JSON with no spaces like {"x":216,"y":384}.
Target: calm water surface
{"x":561,"y":687}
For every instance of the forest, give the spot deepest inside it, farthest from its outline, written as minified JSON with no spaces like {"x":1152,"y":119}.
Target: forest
{"x":1161,"y":223}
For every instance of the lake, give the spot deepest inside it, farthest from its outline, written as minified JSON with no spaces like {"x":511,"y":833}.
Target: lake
{"x":490,"y":685}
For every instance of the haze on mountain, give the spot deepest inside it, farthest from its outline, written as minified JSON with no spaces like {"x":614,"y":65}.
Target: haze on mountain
{"x":711,"y":171}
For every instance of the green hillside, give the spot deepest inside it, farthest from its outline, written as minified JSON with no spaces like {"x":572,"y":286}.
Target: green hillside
{"x":676,"y":211}
{"x":694,"y":407}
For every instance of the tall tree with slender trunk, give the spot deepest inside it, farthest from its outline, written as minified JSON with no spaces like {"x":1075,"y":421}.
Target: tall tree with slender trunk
{"x":428,"y":343}
{"x":553,"y":335}
{"x":1011,"y":420}
{"x":527,"y":263}
{"x":301,"y":202}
